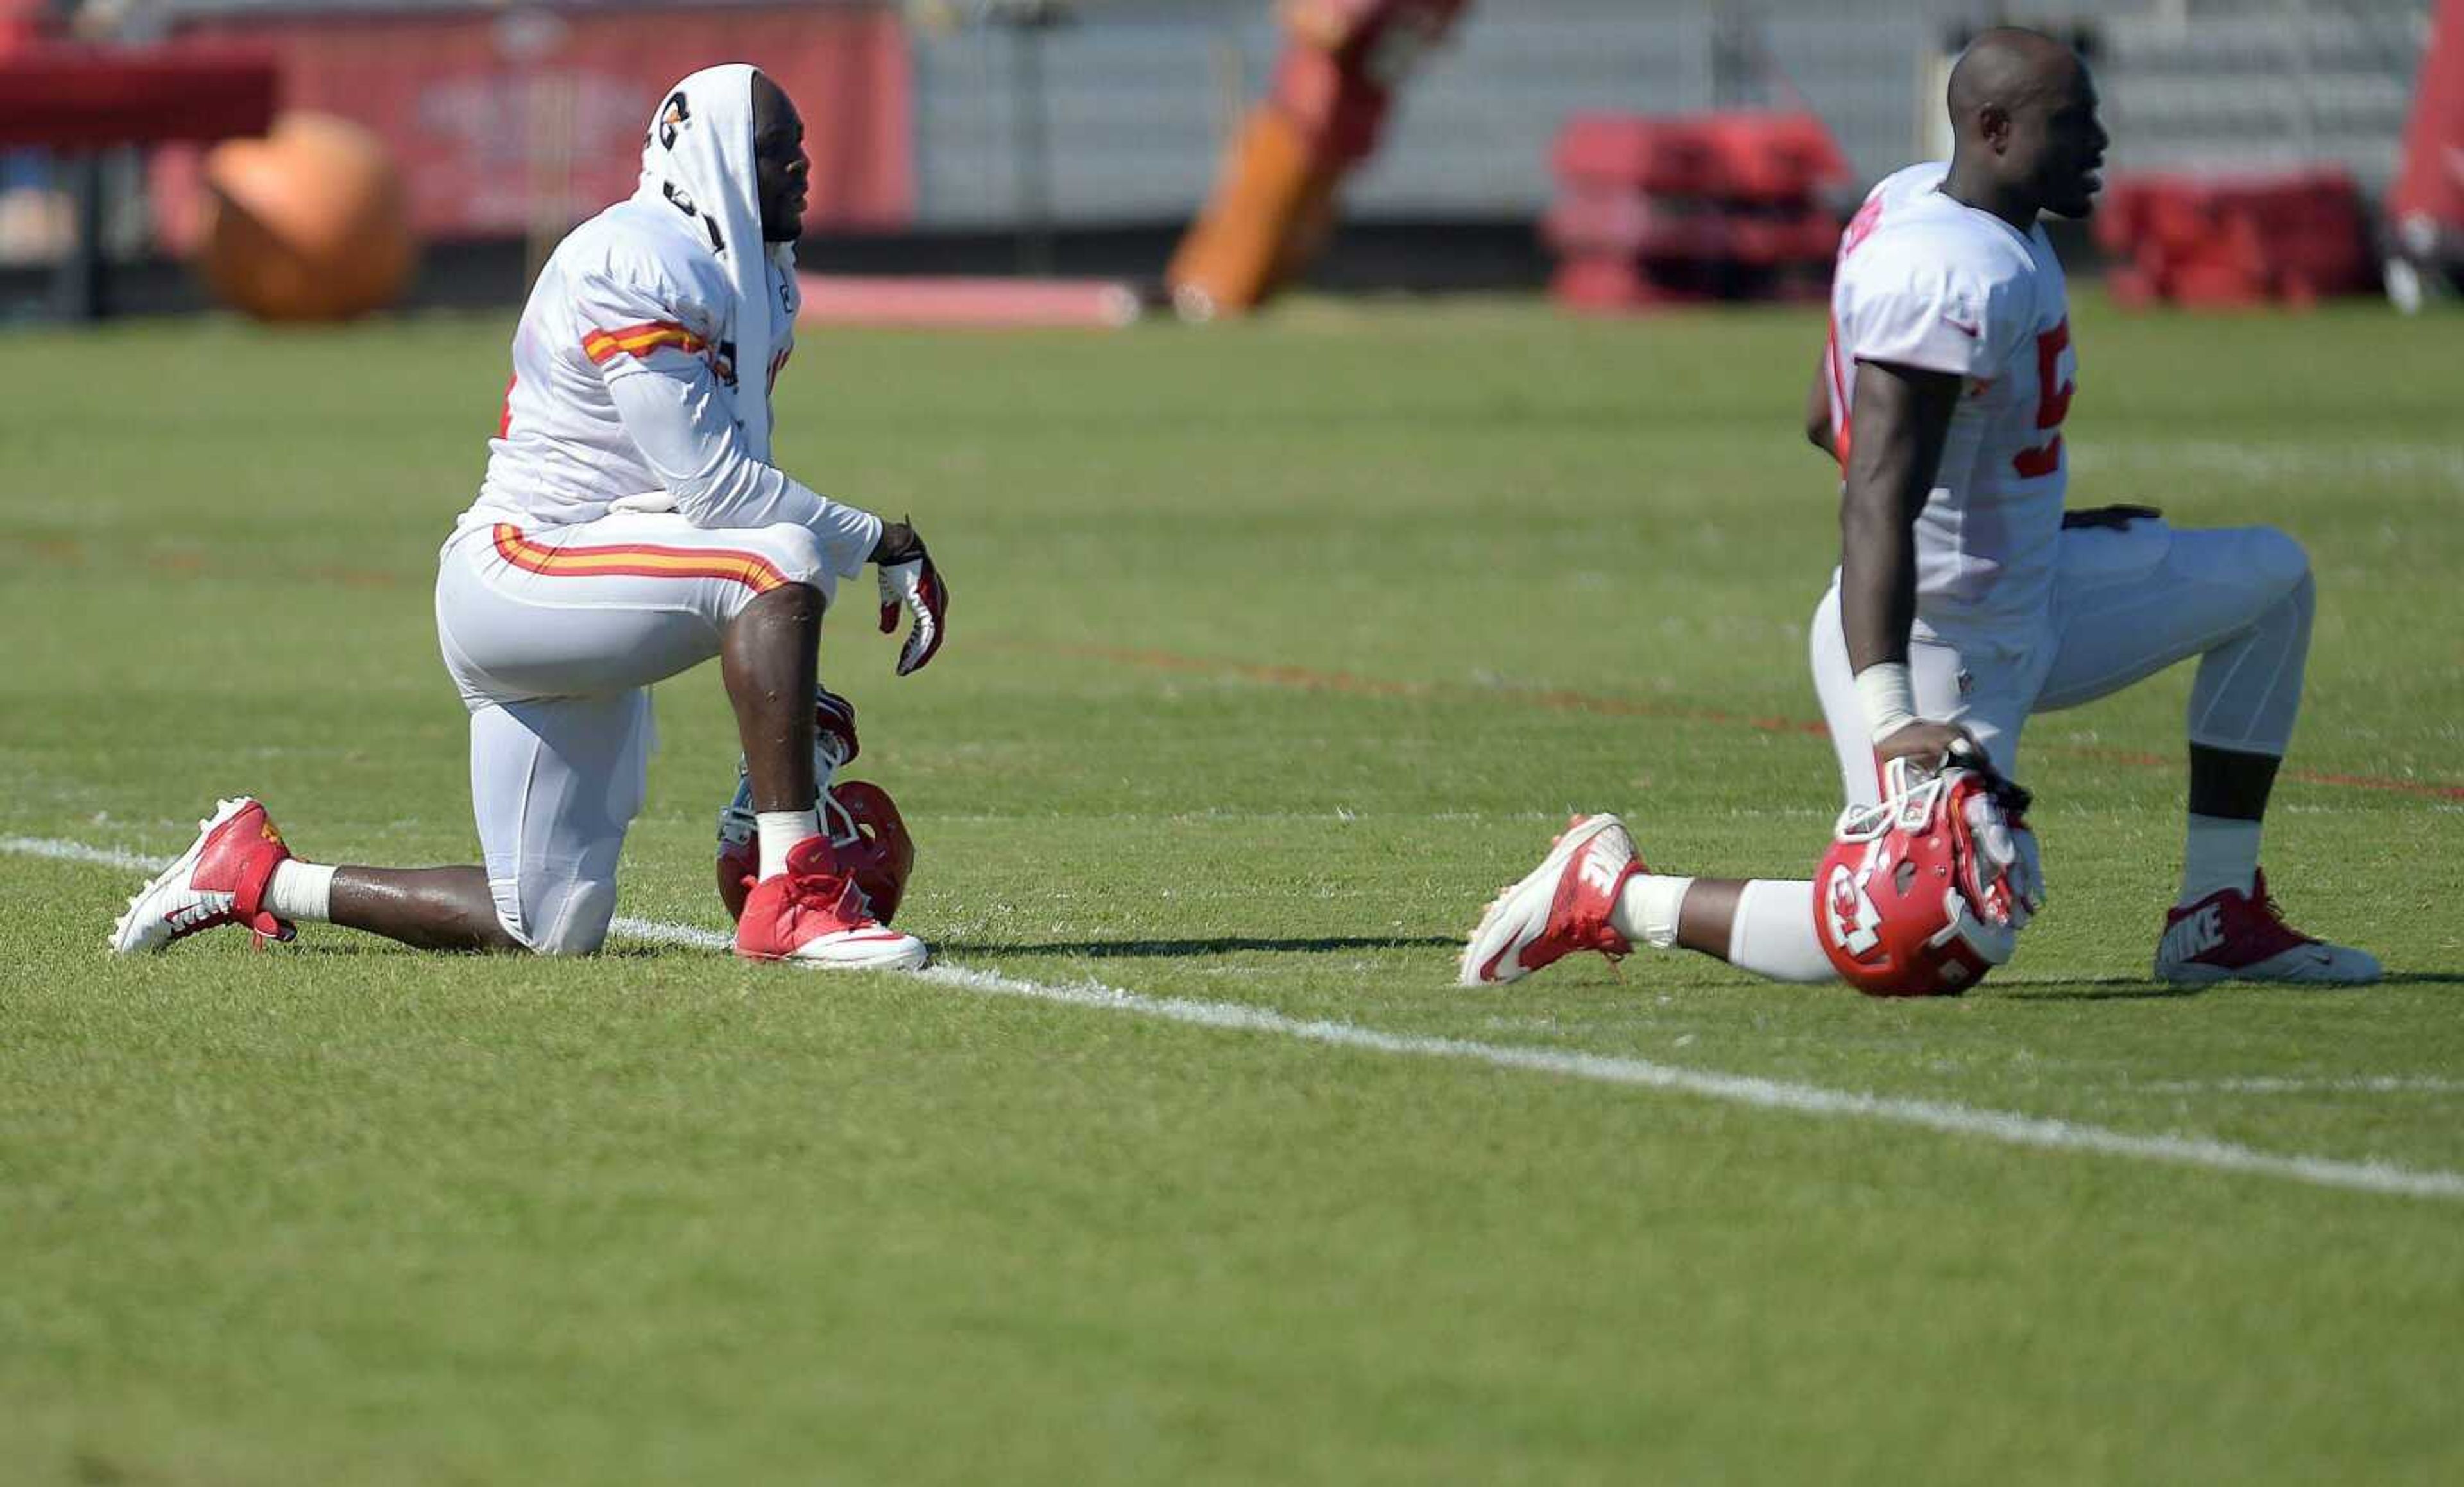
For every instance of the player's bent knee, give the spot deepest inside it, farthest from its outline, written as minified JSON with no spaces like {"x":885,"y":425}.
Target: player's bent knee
{"x":576,"y":919}
{"x":2275,"y":559}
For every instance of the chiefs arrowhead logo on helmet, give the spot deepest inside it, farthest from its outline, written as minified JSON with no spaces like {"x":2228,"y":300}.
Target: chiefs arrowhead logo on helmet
{"x":1854,"y":925}
{"x":1903,"y":905}
{"x":866,"y":833}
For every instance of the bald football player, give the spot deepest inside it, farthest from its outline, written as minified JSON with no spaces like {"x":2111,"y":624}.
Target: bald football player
{"x":1966,"y":597}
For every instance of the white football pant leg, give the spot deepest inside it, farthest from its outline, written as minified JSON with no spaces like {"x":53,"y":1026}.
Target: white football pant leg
{"x":1773,"y":934}
{"x":2129,"y":603}
{"x":553,"y":785}
{"x":605,"y":606}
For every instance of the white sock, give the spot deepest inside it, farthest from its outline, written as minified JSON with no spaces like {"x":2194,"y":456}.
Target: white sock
{"x":2217,"y":852}
{"x":1773,"y":936}
{"x":1646,"y":908}
{"x":781,"y":830}
{"x":301,"y":891}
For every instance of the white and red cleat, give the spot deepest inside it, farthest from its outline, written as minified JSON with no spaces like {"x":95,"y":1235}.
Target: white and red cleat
{"x":1561,"y":907}
{"x":220,"y":879}
{"x":2232,"y":936}
{"x":815,"y":915}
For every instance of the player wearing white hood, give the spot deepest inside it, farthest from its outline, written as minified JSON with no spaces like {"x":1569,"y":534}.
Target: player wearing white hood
{"x":630,"y":526}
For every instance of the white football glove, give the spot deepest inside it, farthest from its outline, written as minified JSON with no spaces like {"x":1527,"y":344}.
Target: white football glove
{"x":2006,"y":855}
{"x":917,"y":587}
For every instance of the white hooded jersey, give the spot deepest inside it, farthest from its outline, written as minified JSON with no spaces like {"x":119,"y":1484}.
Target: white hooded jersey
{"x":1925,"y":281}
{"x":644,"y":358}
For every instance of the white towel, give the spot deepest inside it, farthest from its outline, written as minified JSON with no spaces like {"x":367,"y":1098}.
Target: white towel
{"x":697,"y":158}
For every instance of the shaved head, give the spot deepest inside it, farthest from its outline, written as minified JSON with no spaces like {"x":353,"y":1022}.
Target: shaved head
{"x":2023,"y":124}
{"x":2010,"y":67}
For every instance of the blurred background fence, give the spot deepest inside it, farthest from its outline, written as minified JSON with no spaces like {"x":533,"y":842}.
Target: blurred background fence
{"x":1032,"y":129}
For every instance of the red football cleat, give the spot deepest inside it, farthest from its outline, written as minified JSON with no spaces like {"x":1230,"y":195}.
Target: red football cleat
{"x":814,"y":914}
{"x":220,"y":879}
{"x":2231,"y":936}
{"x":1562,"y":906}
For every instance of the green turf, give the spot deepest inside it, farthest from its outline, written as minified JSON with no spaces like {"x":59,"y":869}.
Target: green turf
{"x":1277,"y":648}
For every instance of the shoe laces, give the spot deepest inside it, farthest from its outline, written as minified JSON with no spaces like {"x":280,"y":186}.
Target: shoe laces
{"x":829,"y":893}
{"x":198,"y":917}
{"x":2271,"y":913}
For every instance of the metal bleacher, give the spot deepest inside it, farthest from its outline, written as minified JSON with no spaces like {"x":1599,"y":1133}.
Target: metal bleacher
{"x":1140,"y":92}
{"x":2251,"y":86}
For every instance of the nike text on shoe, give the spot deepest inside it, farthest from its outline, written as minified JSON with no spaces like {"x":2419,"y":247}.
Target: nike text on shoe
{"x":2235,"y":936}
{"x":1561,"y":907}
{"x":814,"y":914}
{"x":220,"y":879}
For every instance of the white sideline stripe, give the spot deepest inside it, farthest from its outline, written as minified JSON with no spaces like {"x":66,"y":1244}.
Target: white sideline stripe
{"x":79,"y":852}
{"x":2006,"y":1127}
{"x":2323,"y":1084}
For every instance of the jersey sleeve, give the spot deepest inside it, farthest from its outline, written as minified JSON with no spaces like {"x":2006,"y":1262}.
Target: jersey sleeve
{"x":1923,"y":310}
{"x":652,"y":346}
{"x":630,"y":321}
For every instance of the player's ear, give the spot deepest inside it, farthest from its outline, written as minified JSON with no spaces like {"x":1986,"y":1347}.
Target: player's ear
{"x":1994,"y":124}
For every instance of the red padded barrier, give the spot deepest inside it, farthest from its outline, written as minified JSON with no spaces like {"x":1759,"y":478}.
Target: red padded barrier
{"x":1662,"y":209}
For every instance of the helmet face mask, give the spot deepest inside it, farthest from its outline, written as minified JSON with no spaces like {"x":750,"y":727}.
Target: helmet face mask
{"x":1905,"y":903}
{"x":875,"y":850}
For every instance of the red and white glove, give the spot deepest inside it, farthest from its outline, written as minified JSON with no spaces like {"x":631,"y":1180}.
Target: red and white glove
{"x":2011,"y":883}
{"x":917,"y":587}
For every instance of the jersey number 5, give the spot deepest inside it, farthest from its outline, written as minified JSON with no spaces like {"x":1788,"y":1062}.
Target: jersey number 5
{"x":2053,"y":403}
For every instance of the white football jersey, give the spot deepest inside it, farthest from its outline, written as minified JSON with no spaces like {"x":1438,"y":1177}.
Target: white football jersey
{"x":628,"y":293}
{"x":1925,"y":281}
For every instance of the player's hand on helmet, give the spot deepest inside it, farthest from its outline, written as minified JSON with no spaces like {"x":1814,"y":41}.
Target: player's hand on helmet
{"x":910,"y":581}
{"x":1930,"y":744}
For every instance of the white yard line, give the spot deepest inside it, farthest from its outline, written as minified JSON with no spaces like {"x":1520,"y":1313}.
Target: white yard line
{"x":2316,"y":1085}
{"x":2006,"y":1127}
{"x":79,"y":852}
{"x":2280,"y":461}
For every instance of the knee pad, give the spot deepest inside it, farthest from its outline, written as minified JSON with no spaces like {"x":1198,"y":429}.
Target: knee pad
{"x":573,"y":918}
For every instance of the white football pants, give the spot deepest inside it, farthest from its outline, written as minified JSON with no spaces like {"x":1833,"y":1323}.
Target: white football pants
{"x":554,"y":636}
{"x":2126,"y":604}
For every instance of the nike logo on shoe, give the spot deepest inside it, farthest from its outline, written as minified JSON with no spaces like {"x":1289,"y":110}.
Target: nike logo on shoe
{"x":2193,"y":935}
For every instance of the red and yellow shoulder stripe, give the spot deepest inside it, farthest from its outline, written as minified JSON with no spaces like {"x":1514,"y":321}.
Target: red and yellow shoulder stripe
{"x":638,"y":341}
{"x":637,"y":560}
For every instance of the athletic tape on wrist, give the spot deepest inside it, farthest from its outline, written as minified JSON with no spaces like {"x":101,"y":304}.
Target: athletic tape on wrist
{"x":1889,"y":699}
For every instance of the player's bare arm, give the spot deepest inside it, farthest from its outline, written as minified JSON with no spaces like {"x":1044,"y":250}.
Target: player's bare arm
{"x":1902,"y":414}
{"x":1817,"y":411}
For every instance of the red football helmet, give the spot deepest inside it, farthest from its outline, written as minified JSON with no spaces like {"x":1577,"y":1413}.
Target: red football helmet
{"x":863,"y":825}
{"x":1925,"y":893}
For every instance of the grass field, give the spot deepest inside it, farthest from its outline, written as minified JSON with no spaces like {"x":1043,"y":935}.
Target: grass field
{"x":1276,"y":649}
